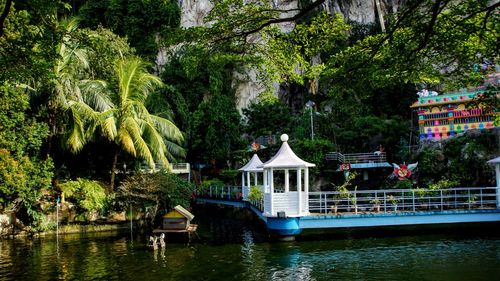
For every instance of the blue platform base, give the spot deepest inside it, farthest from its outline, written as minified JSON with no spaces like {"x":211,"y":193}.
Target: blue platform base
{"x":287,"y":227}
{"x":284,"y":226}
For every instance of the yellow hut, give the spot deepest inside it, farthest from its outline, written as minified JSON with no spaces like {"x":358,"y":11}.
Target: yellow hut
{"x":177,"y":219}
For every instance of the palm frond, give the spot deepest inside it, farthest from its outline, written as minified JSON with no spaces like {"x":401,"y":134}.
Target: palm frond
{"x":126,"y":141}
{"x":140,"y":146}
{"x":154,"y":140}
{"x":108,"y":125}
{"x":174,"y":151}
{"x":95,"y":93}
{"x":76,"y":139}
{"x":167,"y":129}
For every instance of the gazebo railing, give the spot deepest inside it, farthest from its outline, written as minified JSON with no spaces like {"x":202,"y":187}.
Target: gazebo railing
{"x":220,"y":192}
{"x":403,"y":200}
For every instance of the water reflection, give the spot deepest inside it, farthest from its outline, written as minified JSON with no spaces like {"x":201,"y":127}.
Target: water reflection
{"x":114,"y":257}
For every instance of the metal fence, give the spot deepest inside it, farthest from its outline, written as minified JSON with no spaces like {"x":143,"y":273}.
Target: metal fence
{"x":403,"y":200}
{"x":355,"y":158}
{"x":379,"y":201}
{"x":221,"y":192}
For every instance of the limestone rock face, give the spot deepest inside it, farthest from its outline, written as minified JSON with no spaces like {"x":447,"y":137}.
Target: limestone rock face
{"x":362,"y":11}
{"x":194,"y":11}
{"x":248,"y":88}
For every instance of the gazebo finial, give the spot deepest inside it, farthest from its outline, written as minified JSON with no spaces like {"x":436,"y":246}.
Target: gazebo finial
{"x":284,"y":138}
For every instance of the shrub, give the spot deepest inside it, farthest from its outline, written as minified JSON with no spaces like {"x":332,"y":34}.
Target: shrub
{"x":88,"y":195}
{"x":156,"y":192}
{"x":255,"y":193}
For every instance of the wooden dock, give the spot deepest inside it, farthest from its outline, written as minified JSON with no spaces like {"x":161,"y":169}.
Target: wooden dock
{"x":190,"y":229}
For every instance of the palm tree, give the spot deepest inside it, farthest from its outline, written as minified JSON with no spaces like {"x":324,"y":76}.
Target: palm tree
{"x":125,"y":119}
{"x":70,"y":62}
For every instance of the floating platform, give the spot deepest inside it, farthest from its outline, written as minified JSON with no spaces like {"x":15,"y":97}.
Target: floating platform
{"x":190,"y":229}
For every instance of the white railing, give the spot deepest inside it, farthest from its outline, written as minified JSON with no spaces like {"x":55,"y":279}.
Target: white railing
{"x":176,"y":168}
{"x":180,"y":168}
{"x":368,"y":201}
{"x":355,"y":158}
{"x":403,"y":200}
{"x":221,"y":192}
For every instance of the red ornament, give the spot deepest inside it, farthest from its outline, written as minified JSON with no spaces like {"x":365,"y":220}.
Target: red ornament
{"x":345,"y":167}
{"x":402,"y":172}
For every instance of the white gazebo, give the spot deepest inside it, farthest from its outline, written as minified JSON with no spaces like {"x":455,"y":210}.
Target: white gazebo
{"x":496,"y":162}
{"x":286,"y":183}
{"x":252,"y":167}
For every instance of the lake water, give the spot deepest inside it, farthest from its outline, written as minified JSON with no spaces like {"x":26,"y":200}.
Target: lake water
{"x":245,"y":254}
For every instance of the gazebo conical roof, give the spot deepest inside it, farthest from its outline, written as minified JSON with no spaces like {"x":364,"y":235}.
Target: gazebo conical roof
{"x":252,"y":165}
{"x":494,"y":160}
{"x":286,"y":158}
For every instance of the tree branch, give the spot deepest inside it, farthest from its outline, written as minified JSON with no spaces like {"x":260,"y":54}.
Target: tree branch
{"x":269,"y":22}
{"x":437,"y":8}
{"x":4,"y":14}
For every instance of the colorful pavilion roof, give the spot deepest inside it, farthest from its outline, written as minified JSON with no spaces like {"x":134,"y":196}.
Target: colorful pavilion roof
{"x":458,"y":97}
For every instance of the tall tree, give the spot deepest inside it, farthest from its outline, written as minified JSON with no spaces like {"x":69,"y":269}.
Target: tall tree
{"x":65,"y":84}
{"x":127,"y":121}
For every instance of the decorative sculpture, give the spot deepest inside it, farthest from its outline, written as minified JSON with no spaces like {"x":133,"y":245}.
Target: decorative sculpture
{"x":153,"y":242}
{"x":426,"y":93}
{"x":162,"y":240}
{"x":403,"y":171}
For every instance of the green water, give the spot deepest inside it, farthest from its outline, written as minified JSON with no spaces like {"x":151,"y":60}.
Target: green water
{"x":116,"y":257}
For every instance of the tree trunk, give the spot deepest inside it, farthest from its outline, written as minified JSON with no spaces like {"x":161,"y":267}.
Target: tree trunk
{"x":380,"y":15}
{"x":113,"y":170}
{"x":52,"y":129}
{"x":3,"y":16}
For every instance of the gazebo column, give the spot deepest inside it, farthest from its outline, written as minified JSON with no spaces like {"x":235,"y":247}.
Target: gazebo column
{"x":497,"y":176}
{"x":265,"y":179}
{"x":243,"y":185}
{"x":255,"y":178}
{"x":249,"y":182}
{"x":271,"y":185}
{"x":306,"y":187}
{"x":299,"y":189}
{"x":287,"y":181}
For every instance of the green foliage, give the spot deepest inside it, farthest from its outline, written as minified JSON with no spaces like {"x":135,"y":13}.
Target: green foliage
{"x":123,"y":118}
{"x":313,"y":151}
{"x":363,"y":133}
{"x":103,"y":47}
{"x":268,"y":115}
{"x":403,"y":184}
{"x":444,"y":183}
{"x":206,"y":184}
{"x":229,"y":176}
{"x":131,"y":18}
{"x":392,"y":199}
{"x":160,"y":191}
{"x":24,"y":177}
{"x":88,"y":195}
{"x":27,"y":46}
{"x":461,"y":161}
{"x":417,"y":46}
{"x":255,"y":194}
{"x":289,"y":56}
{"x":431,"y":164}
{"x":216,"y":126}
